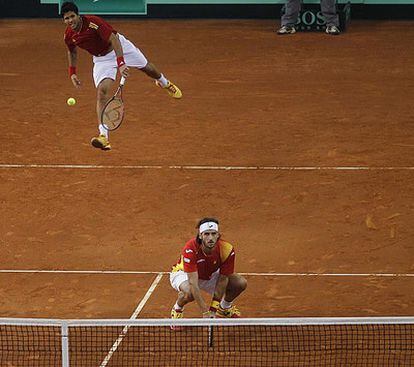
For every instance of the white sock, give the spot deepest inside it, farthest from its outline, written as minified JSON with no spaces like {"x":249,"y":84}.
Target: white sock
{"x":178,"y":308}
{"x":163,"y":80}
{"x":224,"y":304}
{"x":103,"y":131}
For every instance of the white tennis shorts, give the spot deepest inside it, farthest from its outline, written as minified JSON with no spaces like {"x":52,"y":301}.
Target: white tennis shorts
{"x":106,"y":66}
{"x":179,"y":277}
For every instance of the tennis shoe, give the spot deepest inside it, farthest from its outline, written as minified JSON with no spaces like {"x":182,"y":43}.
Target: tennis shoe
{"x":176,"y":315}
{"x":101,"y":142}
{"x":286,"y":29}
{"x":229,"y":313}
{"x":333,"y":30}
{"x":171,"y":89}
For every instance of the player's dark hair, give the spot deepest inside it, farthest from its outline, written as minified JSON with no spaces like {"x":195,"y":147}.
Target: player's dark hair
{"x":69,"y":6}
{"x":201,"y":221}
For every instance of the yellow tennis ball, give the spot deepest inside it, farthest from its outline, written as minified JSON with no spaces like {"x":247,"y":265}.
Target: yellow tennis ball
{"x":71,"y":101}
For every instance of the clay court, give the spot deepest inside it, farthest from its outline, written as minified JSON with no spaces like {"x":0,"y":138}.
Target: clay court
{"x":302,"y":147}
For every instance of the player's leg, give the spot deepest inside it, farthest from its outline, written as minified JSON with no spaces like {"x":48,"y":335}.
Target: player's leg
{"x":328,"y":8}
{"x":184,"y":295}
{"x":104,"y":74}
{"x":236,"y":285}
{"x":151,"y":70}
{"x":290,"y":17}
{"x":179,"y":281}
{"x":135,"y":58}
{"x":102,"y":96}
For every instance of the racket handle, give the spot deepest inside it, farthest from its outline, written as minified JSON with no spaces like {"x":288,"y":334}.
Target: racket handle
{"x":122,"y":82}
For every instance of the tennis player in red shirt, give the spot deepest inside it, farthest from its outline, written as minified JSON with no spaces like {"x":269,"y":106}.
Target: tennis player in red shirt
{"x":207,"y":263}
{"x":111,"y":52}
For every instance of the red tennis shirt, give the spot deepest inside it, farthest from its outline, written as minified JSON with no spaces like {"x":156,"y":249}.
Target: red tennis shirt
{"x":93,"y":36}
{"x":193,"y":259}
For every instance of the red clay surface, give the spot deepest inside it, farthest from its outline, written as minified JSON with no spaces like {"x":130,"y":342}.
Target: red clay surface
{"x":250,"y":99}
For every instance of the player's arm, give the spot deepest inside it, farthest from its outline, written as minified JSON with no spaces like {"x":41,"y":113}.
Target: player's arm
{"x":73,"y":61}
{"x":195,"y":291}
{"x":116,"y":45}
{"x":226,"y":269}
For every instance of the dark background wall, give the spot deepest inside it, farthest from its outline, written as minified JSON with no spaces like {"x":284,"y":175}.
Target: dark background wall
{"x":27,"y":8}
{"x":33,"y":9}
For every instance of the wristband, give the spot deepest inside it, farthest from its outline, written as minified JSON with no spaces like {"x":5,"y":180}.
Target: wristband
{"x":72,"y":70}
{"x":120,"y":61}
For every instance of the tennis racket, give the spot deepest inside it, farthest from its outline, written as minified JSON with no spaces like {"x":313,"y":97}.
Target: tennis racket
{"x":113,"y":112}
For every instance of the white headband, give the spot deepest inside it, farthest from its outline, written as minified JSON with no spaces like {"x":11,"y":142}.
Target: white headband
{"x":208,"y":226}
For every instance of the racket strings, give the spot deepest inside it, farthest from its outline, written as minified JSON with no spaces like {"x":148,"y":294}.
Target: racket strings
{"x":113,"y":114}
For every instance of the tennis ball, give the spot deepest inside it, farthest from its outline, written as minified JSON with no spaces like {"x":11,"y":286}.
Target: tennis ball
{"x":71,"y":101}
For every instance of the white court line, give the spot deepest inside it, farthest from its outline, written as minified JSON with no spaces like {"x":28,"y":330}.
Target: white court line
{"x":34,"y":271}
{"x":216,"y":168}
{"x":135,"y":314}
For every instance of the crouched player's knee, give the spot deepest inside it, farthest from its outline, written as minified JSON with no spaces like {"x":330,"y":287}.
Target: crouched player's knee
{"x":186,"y":296}
{"x":242,"y":283}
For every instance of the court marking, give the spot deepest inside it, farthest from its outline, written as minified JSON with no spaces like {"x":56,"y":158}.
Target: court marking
{"x":134,"y":315}
{"x":214,"y":168}
{"x":270,"y":274}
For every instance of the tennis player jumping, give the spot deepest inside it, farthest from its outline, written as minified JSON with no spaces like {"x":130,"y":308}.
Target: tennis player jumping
{"x":111,"y":52}
{"x":207,"y":263}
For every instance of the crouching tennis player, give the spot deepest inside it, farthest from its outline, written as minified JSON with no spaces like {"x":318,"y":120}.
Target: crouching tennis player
{"x":207,"y":263}
{"x":111,"y":51}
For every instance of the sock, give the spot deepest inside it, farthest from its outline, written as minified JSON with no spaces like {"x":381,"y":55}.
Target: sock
{"x":103,"y":131}
{"x":224,"y":304}
{"x":163,"y":81}
{"x":178,"y":308}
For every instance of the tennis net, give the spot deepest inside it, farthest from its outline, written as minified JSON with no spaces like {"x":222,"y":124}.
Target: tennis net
{"x":208,"y":342}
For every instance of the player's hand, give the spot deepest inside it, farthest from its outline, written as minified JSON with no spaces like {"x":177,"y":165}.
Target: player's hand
{"x":209,"y":315}
{"x":75,"y":81}
{"x":124,"y":70}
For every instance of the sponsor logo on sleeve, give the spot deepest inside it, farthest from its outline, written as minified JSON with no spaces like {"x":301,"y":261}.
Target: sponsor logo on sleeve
{"x":188,"y":251}
{"x":187,"y":260}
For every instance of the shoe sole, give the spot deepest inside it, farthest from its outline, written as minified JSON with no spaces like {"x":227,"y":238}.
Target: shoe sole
{"x":176,"y":96}
{"x":97,"y":144}
{"x":332,"y":33}
{"x":285,"y":33}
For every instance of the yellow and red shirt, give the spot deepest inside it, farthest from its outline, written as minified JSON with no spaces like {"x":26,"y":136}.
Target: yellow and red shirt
{"x":193,"y":259}
{"x":93,"y":36}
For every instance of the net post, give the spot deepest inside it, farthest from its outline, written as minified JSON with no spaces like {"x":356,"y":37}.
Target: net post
{"x":65,"y":344}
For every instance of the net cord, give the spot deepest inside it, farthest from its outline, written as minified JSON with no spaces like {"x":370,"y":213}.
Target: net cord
{"x":212,"y":322}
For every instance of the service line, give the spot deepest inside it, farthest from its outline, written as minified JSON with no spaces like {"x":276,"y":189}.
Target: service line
{"x":213,"y":168}
{"x":264,"y":274}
